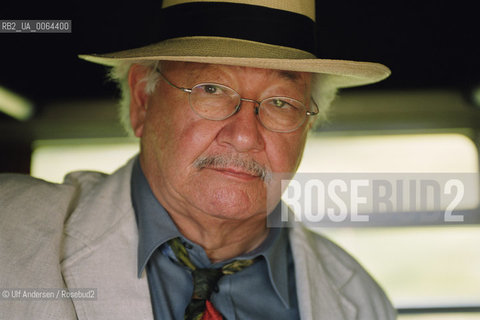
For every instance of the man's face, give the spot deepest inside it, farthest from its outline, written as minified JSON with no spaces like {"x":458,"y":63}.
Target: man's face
{"x":174,"y":140}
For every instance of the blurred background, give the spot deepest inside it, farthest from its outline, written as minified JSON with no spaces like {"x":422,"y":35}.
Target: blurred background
{"x":424,"y":118}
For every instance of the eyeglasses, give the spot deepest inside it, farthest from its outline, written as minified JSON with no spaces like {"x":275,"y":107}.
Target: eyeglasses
{"x":215,"y":101}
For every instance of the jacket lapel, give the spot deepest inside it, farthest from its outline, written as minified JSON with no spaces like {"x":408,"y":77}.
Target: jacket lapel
{"x":100,"y":252}
{"x":320,"y":277}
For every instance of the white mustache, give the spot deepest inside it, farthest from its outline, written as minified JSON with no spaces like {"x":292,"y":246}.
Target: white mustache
{"x":222,"y":161}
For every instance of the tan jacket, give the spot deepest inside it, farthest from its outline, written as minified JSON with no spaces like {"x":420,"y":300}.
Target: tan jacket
{"x":83,"y":234}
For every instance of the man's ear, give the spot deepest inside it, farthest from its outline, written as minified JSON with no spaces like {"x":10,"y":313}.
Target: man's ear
{"x":138,"y":97}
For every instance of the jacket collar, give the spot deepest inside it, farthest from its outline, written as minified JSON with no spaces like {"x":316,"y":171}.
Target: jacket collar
{"x":320,"y":277}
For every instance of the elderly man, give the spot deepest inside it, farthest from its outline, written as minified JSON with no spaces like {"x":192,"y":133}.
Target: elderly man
{"x":180,"y":231}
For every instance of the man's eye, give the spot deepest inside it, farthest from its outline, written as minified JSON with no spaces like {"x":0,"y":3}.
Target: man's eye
{"x":211,"y":89}
{"x":279,"y":103}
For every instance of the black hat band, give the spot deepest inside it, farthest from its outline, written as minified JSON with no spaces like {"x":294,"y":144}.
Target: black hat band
{"x":241,"y":21}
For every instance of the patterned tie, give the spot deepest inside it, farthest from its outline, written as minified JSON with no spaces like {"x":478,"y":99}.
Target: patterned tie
{"x":204,"y":282}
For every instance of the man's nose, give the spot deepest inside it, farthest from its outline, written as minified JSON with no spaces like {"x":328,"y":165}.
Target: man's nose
{"x":243,"y":131}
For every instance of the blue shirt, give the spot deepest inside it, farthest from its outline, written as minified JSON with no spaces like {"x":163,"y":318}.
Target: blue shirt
{"x":265,"y":290}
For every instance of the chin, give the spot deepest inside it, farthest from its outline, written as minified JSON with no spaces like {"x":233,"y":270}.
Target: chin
{"x":234,"y":204}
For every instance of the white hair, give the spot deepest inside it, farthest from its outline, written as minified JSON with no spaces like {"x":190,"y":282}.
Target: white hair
{"x":119,"y":75}
{"x":323,"y":92}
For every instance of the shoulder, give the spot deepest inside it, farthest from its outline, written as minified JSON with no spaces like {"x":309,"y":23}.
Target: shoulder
{"x":342,"y":272}
{"x":22,"y":196}
{"x":32,"y":215}
{"x":34,"y":211}
{"x":332,"y":256}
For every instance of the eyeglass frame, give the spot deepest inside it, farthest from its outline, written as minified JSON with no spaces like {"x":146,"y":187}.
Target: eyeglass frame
{"x":257,"y":103}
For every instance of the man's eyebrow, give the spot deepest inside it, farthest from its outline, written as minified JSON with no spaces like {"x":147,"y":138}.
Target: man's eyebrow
{"x":289,"y":75}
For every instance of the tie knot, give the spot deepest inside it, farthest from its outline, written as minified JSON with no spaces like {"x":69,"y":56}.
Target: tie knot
{"x":204,"y":282}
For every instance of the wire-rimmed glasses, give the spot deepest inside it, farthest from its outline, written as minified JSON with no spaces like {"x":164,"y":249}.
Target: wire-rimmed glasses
{"x":215,"y":101}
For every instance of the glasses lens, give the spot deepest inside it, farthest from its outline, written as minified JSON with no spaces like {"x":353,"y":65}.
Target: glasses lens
{"x":282,"y":114}
{"x":213,"y":101}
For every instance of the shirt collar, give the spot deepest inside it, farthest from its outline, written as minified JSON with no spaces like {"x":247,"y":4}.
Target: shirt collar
{"x":155,"y":227}
{"x":275,"y":250}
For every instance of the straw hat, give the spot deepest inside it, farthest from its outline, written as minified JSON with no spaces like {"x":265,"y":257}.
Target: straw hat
{"x":272,"y":34}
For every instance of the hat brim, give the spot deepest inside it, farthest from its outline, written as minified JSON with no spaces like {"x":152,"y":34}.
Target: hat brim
{"x":227,"y":51}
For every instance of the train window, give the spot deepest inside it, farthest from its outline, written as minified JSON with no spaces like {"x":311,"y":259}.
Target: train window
{"x":419,"y":267}
{"x":429,"y":272}
{"x":387,"y":152}
{"x":52,"y":159}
